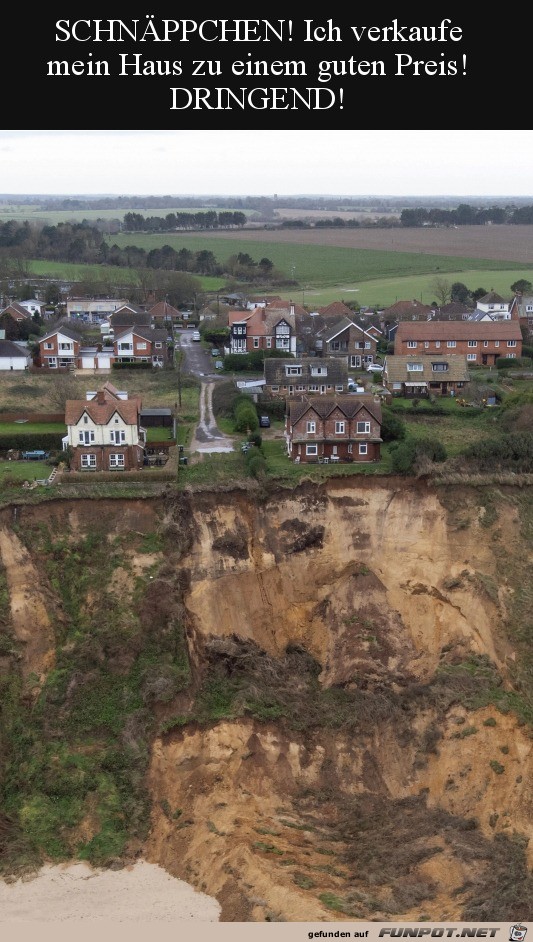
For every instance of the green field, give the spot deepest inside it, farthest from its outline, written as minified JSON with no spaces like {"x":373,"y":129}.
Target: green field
{"x":29,"y":213}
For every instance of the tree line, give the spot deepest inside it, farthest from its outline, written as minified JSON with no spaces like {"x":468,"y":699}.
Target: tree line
{"x":82,"y":243}
{"x":136,"y":222}
{"x":467,"y":215}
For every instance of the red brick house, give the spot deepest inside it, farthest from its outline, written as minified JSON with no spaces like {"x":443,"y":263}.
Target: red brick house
{"x":482,"y":342}
{"x":60,"y":349}
{"x":164,"y":314}
{"x":12,"y":318}
{"x":141,"y":345}
{"x":104,"y":431}
{"x":342,"y":428}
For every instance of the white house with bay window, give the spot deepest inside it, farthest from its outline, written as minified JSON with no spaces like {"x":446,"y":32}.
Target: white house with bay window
{"x":104,"y":431}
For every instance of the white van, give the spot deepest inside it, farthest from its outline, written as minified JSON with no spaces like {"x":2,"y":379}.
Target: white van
{"x":196,"y":335}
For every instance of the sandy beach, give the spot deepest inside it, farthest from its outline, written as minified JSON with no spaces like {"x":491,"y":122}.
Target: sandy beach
{"x":77,"y":892}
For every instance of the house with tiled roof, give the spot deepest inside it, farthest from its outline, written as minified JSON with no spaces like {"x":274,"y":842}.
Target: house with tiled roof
{"x":263,"y":328}
{"x":305,"y":376}
{"x":13,"y":356}
{"x":15,"y":320}
{"x":495,"y":305}
{"x":521,"y":310}
{"x":420,"y":376}
{"x":104,"y":431}
{"x":163,"y":313}
{"x":345,"y":338}
{"x":127,"y":316}
{"x":411,"y":310}
{"x":481,"y":342}
{"x":141,"y":345}
{"x":335,"y":311}
{"x":60,"y":349}
{"x":454,"y":311}
{"x":334,"y":429}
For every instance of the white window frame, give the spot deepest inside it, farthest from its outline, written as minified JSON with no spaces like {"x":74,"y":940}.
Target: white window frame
{"x":471,"y":356}
{"x":363,"y":428}
{"x":340,"y":428}
{"x":88,"y":461}
{"x":256,"y":343}
{"x":437,"y":343}
{"x":363,"y":448}
{"x":472,"y":343}
{"x":411,"y":344}
{"x":451,"y":343}
{"x":496,"y":343}
{"x":48,"y":346}
{"x":85,"y":437}
{"x":117,"y":461}
{"x":485,"y":343}
{"x":142,"y":345}
{"x":117,"y":436}
{"x":511,"y":343}
{"x":269,"y":343}
{"x":311,"y":428}
{"x":311,"y":450}
{"x":415,"y":367}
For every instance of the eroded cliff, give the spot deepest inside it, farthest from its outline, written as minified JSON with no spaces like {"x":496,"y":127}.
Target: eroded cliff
{"x":324,"y":694}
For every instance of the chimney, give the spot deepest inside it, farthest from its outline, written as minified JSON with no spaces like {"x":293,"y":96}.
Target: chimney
{"x":100,"y":397}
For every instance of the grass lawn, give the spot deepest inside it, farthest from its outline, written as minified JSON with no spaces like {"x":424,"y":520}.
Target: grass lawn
{"x":31,"y":428}
{"x":14,"y":473}
{"x":157,"y":434}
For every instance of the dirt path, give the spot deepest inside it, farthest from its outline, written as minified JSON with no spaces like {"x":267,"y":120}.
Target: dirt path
{"x":207,"y":436}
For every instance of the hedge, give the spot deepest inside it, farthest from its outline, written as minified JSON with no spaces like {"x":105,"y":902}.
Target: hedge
{"x":49,"y":441}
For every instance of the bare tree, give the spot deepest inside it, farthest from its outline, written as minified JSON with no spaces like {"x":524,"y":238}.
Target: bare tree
{"x":65,"y":387}
{"x":442,"y":290}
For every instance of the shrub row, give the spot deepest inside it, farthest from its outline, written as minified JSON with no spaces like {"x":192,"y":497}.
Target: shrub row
{"x":47,"y":441}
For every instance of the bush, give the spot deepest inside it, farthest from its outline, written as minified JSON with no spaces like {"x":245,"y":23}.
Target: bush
{"x":508,"y":452}
{"x":405,"y":455}
{"x":392,"y":427}
{"x":245,"y":416}
{"x":257,"y":465}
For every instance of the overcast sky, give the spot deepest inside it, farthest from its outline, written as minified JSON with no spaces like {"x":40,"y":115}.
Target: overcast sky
{"x":255,"y":162}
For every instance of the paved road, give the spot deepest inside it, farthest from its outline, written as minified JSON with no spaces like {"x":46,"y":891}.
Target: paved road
{"x":207,"y":436}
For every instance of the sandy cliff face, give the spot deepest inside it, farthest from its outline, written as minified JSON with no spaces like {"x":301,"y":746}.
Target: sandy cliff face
{"x":384,"y":585}
{"x":408,"y":600}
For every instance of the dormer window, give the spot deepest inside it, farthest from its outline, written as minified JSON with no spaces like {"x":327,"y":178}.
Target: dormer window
{"x":415,"y":367}
{"x":439,"y":367}
{"x":293,"y":370}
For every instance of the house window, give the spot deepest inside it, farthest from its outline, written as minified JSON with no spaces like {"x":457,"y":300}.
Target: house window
{"x":511,"y":356}
{"x":269,"y":343}
{"x":451,"y":343}
{"x":158,"y":345}
{"x":311,"y":427}
{"x":426,"y":344}
{"x":439,"y":367}
{"x":472,"y":343}
{"x":319,"y":371}
{"x":86,"y":438}
{"x":339,"y":388}
{"x":437,"y":343}
{"x":116,"y":436}
{"x":355,"y":362}
{"x":339,"y":428}
{"x":471,"y":356}
{"x":88,"y":461}
{"x":313,"y":387}
{"x":48,"y":346}
{"x":511,"y":343}
{"x":367,"y":345}
{"x":335,"y":345}
{"x":415,"y":367}
{"x":142,"y":345}
{"x":411,"y":344}
{"x":350,"y":449}
{"x":293,"y":370}
{"x":496,"y":343}
{"x":311,"y":449}
{"x":485,"y":343}
{"x":363,"y":428}
{"x":275,"y":388}
{"x":300,"y":389}
{"x":256,"y":343}
{"x":85,"y":419}
{"x":363,"y":448}
{"x":124,"y":346}
{"x":116,"y":461}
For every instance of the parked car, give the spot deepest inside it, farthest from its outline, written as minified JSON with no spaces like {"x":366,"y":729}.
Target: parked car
{"x":374,"y":368}
{"x":215,"y":352}
{"x":196,"y":335}
{"x":264,"y":421}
